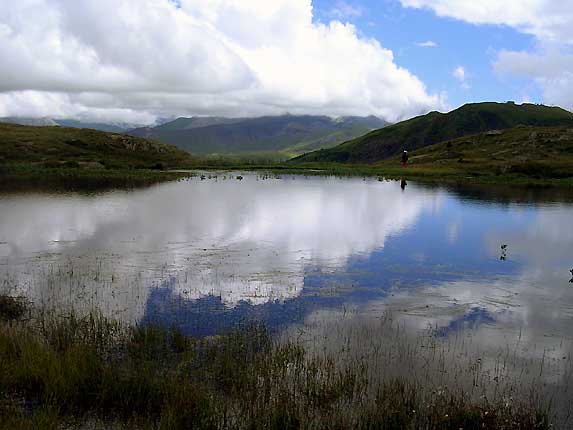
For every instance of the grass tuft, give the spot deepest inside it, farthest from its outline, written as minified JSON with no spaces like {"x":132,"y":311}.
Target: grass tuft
{"x":12,"y":308}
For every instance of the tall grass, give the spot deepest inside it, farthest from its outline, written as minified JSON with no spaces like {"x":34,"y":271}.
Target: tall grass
{"x":67,"y":371}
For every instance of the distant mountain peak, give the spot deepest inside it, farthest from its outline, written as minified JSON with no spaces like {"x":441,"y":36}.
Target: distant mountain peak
{"x":284,"y":134}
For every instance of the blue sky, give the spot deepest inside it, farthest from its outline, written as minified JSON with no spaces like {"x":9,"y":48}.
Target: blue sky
{"x":458,"y":43}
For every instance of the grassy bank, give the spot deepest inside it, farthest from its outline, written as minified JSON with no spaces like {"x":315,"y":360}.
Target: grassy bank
{"x":393,"y":170}
{"x":67,"y":371}
{"x":26,"y":178}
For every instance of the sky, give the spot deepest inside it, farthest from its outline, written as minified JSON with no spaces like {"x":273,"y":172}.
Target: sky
{"x":138,"y":61}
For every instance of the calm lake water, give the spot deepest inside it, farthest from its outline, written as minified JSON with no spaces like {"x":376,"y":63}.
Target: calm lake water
{"x":209,"y":254}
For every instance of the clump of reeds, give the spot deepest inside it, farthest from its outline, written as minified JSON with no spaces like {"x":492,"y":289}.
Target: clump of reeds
{"x":61,"y":371}
{"x":12,"y":308}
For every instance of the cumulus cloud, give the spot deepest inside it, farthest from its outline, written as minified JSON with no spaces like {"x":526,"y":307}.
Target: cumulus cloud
{"x":143,"y":58}
{"x":549,"y":21}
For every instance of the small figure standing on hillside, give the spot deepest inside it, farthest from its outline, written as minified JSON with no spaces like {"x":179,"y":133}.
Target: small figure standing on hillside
{"x":404,"y":158}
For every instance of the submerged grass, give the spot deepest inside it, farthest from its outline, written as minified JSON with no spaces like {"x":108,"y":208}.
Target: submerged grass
{"x":71,"y":371}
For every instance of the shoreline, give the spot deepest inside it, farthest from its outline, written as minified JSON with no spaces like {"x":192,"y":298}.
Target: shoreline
{"x":23,"y":178}
{"x":421,"y":175}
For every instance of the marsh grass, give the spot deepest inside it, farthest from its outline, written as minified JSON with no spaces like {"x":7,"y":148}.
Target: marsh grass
{"x":30,"y":178}
{"x":71,"y":371}
{"x":12,"y":308}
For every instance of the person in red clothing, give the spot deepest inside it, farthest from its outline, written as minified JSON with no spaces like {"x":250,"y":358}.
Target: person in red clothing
{"x":404,"y":158}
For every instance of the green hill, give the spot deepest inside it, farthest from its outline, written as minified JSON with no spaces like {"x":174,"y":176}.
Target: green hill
{"x":541,"y":152}
{"x":286,"y":135}
{"x":437,"y":127}
{"x":72,"y":147}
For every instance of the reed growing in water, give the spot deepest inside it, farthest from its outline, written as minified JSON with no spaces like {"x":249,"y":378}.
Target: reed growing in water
{"x":72,"y":371}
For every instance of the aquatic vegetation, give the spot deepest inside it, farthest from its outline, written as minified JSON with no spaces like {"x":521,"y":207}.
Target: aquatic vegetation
{"x":12,"y":307}
{"x":60,"y":370}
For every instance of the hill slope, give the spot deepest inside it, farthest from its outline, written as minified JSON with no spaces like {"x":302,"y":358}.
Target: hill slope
{"x":288,"y":134}
{"x":437,"y":127}
{"x":53,"y":146}
{"x":542,"y":152}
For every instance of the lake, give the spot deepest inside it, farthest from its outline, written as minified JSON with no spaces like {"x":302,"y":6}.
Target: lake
{"x":213,"y":252}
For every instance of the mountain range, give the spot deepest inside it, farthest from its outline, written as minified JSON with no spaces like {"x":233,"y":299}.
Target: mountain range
{"x":318,"y":138}
{"x":436,"y":127}
{"x":286,"y":135}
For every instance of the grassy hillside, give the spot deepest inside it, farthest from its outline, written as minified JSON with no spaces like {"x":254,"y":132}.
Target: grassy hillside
{"x":539,"y":152}
{"x":71,"y":147}
{"x":526,"y":155}
{"x":286,"y":135}
{"x":436,"y":127}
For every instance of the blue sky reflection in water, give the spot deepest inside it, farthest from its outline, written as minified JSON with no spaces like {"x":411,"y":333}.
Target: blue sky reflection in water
{"x":207,"y":255}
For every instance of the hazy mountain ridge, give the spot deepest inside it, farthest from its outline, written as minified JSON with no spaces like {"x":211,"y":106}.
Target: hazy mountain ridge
{"x":435,"y":127}
{"x":113,"y":127}
{"x":287,"y":134}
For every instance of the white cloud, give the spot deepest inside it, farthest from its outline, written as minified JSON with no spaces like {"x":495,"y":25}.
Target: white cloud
{"x":142,"y":58}
{"x":546,"y":19}
{"x":549,"y":21}
{"x":551,"y":68}
{"x":460,"y":74}
{"x":428,"y":44}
